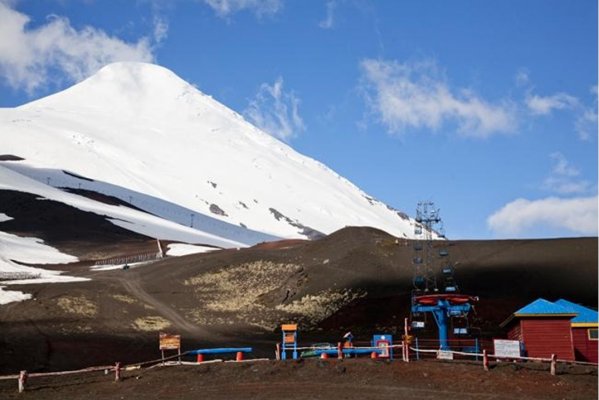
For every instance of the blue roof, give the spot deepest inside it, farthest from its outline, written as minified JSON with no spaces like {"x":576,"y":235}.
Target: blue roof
{"x":585,"y":315}
{"x":543,"y":307}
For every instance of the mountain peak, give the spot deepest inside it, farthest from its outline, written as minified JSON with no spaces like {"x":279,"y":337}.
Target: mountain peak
{"x":135,"y":75}
{"x":133,"y":88}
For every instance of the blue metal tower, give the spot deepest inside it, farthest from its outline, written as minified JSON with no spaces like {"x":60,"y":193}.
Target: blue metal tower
{"x":443,"y":301}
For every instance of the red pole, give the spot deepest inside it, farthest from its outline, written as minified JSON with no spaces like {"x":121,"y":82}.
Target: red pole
{"x":22,"y":381}
{"x":117,"y":372}
{"x":553,"y":364}
{"x":485,"y":360}
{"x":339,"y":351}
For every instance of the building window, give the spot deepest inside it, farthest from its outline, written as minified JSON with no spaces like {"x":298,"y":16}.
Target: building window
{"x":592,"y":334}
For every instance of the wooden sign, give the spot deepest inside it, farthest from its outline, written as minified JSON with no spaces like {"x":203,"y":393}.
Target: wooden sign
{"x":170,"y":342}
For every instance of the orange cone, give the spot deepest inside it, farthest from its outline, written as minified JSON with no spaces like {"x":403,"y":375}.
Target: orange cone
{"x":324,"y":356}
{"x":374,"y":355}
{"x":239,"y":356}
{"x":200,"y":358}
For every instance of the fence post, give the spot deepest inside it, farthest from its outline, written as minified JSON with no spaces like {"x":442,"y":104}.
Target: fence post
{"x":278,"y":352}
{"x":485,"y":360}
{"x":339,"y":351}
{"x":417,"y":349}
{"x":553,"y":364}
{"x":22,"y":381}
{"x":117,"y":372}
{"x":406,"y":344}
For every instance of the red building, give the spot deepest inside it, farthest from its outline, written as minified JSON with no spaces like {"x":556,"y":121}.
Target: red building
{"x":584,"y":331}
{"x":544,"y":328}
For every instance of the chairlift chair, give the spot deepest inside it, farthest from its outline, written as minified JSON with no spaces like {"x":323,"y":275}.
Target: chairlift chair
{"x":459,"y":325}
{"x":419,"y":282}
{"x":418,"y":321}
{"x":447,"y":270}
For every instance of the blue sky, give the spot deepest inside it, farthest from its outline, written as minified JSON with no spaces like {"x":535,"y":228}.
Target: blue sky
{"x":489,"y":109}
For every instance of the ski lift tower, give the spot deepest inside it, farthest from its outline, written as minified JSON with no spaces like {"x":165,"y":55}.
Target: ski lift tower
{"x":434,"y":293}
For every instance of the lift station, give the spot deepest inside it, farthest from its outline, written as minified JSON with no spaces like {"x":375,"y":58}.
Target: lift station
{"x":435,"y":289}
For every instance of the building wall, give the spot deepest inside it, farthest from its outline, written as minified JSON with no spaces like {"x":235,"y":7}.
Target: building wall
{"x":584,"y":349}
{"x":545,"y":336}
{"x":515,"y":333}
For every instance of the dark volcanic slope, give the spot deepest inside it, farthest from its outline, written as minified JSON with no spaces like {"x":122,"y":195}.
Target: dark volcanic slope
{"x":356,"y":278}
{"x":80,"y":233}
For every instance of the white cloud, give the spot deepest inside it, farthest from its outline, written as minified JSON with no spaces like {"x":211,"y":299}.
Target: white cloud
{"x":564,"y":178}
{"x":585,"y":117}
{"x":160,"y":29}
{"x":522,"y":78}
{"x":328,"y":22}
{"x":224,"y":8}
{"x":28,"y":56}
{"x":416,"y":95}
{"x":586,"y":120}
{"x":276,"y":111}
{"x":543,"y":105}
{"x":577,"y":215}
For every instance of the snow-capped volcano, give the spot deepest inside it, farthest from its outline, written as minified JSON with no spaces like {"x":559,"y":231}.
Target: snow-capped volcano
{"x":138,"y":132}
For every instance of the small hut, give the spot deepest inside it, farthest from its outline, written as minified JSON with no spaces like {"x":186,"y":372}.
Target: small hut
{"x":544,"y":329}
{"x":584,"y":331}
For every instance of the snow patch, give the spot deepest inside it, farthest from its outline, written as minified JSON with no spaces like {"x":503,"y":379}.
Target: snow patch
{"x":10,"y":296}
{"x":181,"y":249}
{"x":4,"y":217}
{"x":30,"y":250}
{"x":14,"y":250}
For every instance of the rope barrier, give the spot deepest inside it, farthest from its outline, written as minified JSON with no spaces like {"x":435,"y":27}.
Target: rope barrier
{"x":78,"y":371}
{"x":506,"y":357}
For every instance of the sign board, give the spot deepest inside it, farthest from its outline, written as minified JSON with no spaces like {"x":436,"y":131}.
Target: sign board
{"x":289,"y":337}
{"x":445,"y":355}
{"x":170,"y":342}
{"x":418,"y":324}
{"x":507,"y":348}
{"x":384,"y":343}
{"x":289,"y":327}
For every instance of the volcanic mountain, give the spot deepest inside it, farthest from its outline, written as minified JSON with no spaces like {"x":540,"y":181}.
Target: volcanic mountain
{"x":174,"y":164}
